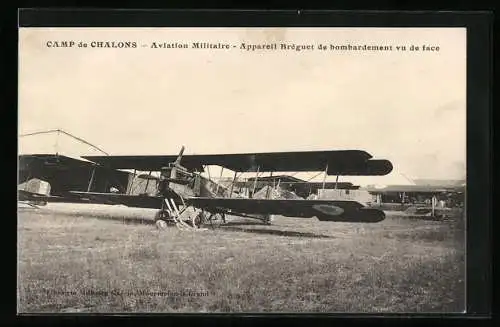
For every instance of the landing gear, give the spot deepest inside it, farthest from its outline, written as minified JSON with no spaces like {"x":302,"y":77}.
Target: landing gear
{"x":161,"y":219}
{"x":215,"y":219}
{"x":268,"y":219}
{"x":161,"y":224}
{"x":204,"y":218}
{"x":186,"y":219}
{"x":161,"y":215}
{"x":198,"y":220}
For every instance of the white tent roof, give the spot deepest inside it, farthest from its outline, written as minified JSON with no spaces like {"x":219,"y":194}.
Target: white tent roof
{"x":56,"y":142}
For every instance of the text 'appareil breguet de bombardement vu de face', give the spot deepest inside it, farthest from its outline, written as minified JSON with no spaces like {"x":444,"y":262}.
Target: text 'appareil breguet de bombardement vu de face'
{"x":243,"y":46}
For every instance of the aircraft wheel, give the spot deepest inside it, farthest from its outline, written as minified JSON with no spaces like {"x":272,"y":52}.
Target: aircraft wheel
{"x":161,"y":224}
{"x":198,"y":220}
{"x":269,"y":219}
{"x":161,"y":217}
{"x":216,"y":219}
{"x":161,"y":214}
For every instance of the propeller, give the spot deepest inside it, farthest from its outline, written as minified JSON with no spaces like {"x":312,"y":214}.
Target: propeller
{"x":170,"y":173}
{"x":177,"y":164}
{"x":179,"y":157}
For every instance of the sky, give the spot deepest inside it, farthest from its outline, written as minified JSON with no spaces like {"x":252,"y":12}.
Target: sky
{"x":405,"y":106}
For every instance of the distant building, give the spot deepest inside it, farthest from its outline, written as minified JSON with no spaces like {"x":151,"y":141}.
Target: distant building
{"x":440,"y":182}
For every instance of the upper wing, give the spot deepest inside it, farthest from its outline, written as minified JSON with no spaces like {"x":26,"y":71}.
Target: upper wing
{"x":29,"y":161}
{"x":350,"y":211}
{"x":342,"y":162}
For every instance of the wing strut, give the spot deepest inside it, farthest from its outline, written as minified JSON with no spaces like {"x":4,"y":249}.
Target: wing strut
{"x":434,"y":201}
{"x":232,"y":184}
{"x":218,"y":183}
{"x":255,"y":182}
{"x":147,"y":182}
{"x":208,"y":171}
{"x":91,"y":181}
{"x":324,"y":177}
{"x":131,"y":183}
{"x":267,"y":191}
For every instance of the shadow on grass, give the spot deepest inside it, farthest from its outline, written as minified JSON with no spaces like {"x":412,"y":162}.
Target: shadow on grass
{"x":244,"y":223}
{"x":276,"y":232}
{"x":27,"y":208}
{"x":103,"y":216}
{"x":229,"y":226}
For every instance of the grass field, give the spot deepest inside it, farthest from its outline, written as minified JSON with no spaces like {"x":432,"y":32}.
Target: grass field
{"x":70,"y":262}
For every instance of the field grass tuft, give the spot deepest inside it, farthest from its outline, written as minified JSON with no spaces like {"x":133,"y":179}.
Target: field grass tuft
{"x":69,"y":262}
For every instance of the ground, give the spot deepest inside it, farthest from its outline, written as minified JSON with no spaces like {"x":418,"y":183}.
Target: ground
{"x":71,"y":262}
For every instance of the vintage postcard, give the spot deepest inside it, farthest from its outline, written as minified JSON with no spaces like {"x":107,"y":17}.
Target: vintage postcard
{"x":187,"y":170}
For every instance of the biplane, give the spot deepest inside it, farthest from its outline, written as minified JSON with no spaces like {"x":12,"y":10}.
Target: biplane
{"x":187,"y":199}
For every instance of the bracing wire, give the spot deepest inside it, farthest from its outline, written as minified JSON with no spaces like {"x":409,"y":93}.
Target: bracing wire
{"x":68,"y":134}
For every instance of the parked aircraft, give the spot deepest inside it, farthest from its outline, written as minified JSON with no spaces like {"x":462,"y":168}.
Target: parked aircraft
{"x":188,"y":199}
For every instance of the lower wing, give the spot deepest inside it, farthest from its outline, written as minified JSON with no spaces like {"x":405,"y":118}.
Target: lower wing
{"x":138,"y":201}
{"x":324,"y":210}
{"x":30,"y":196}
